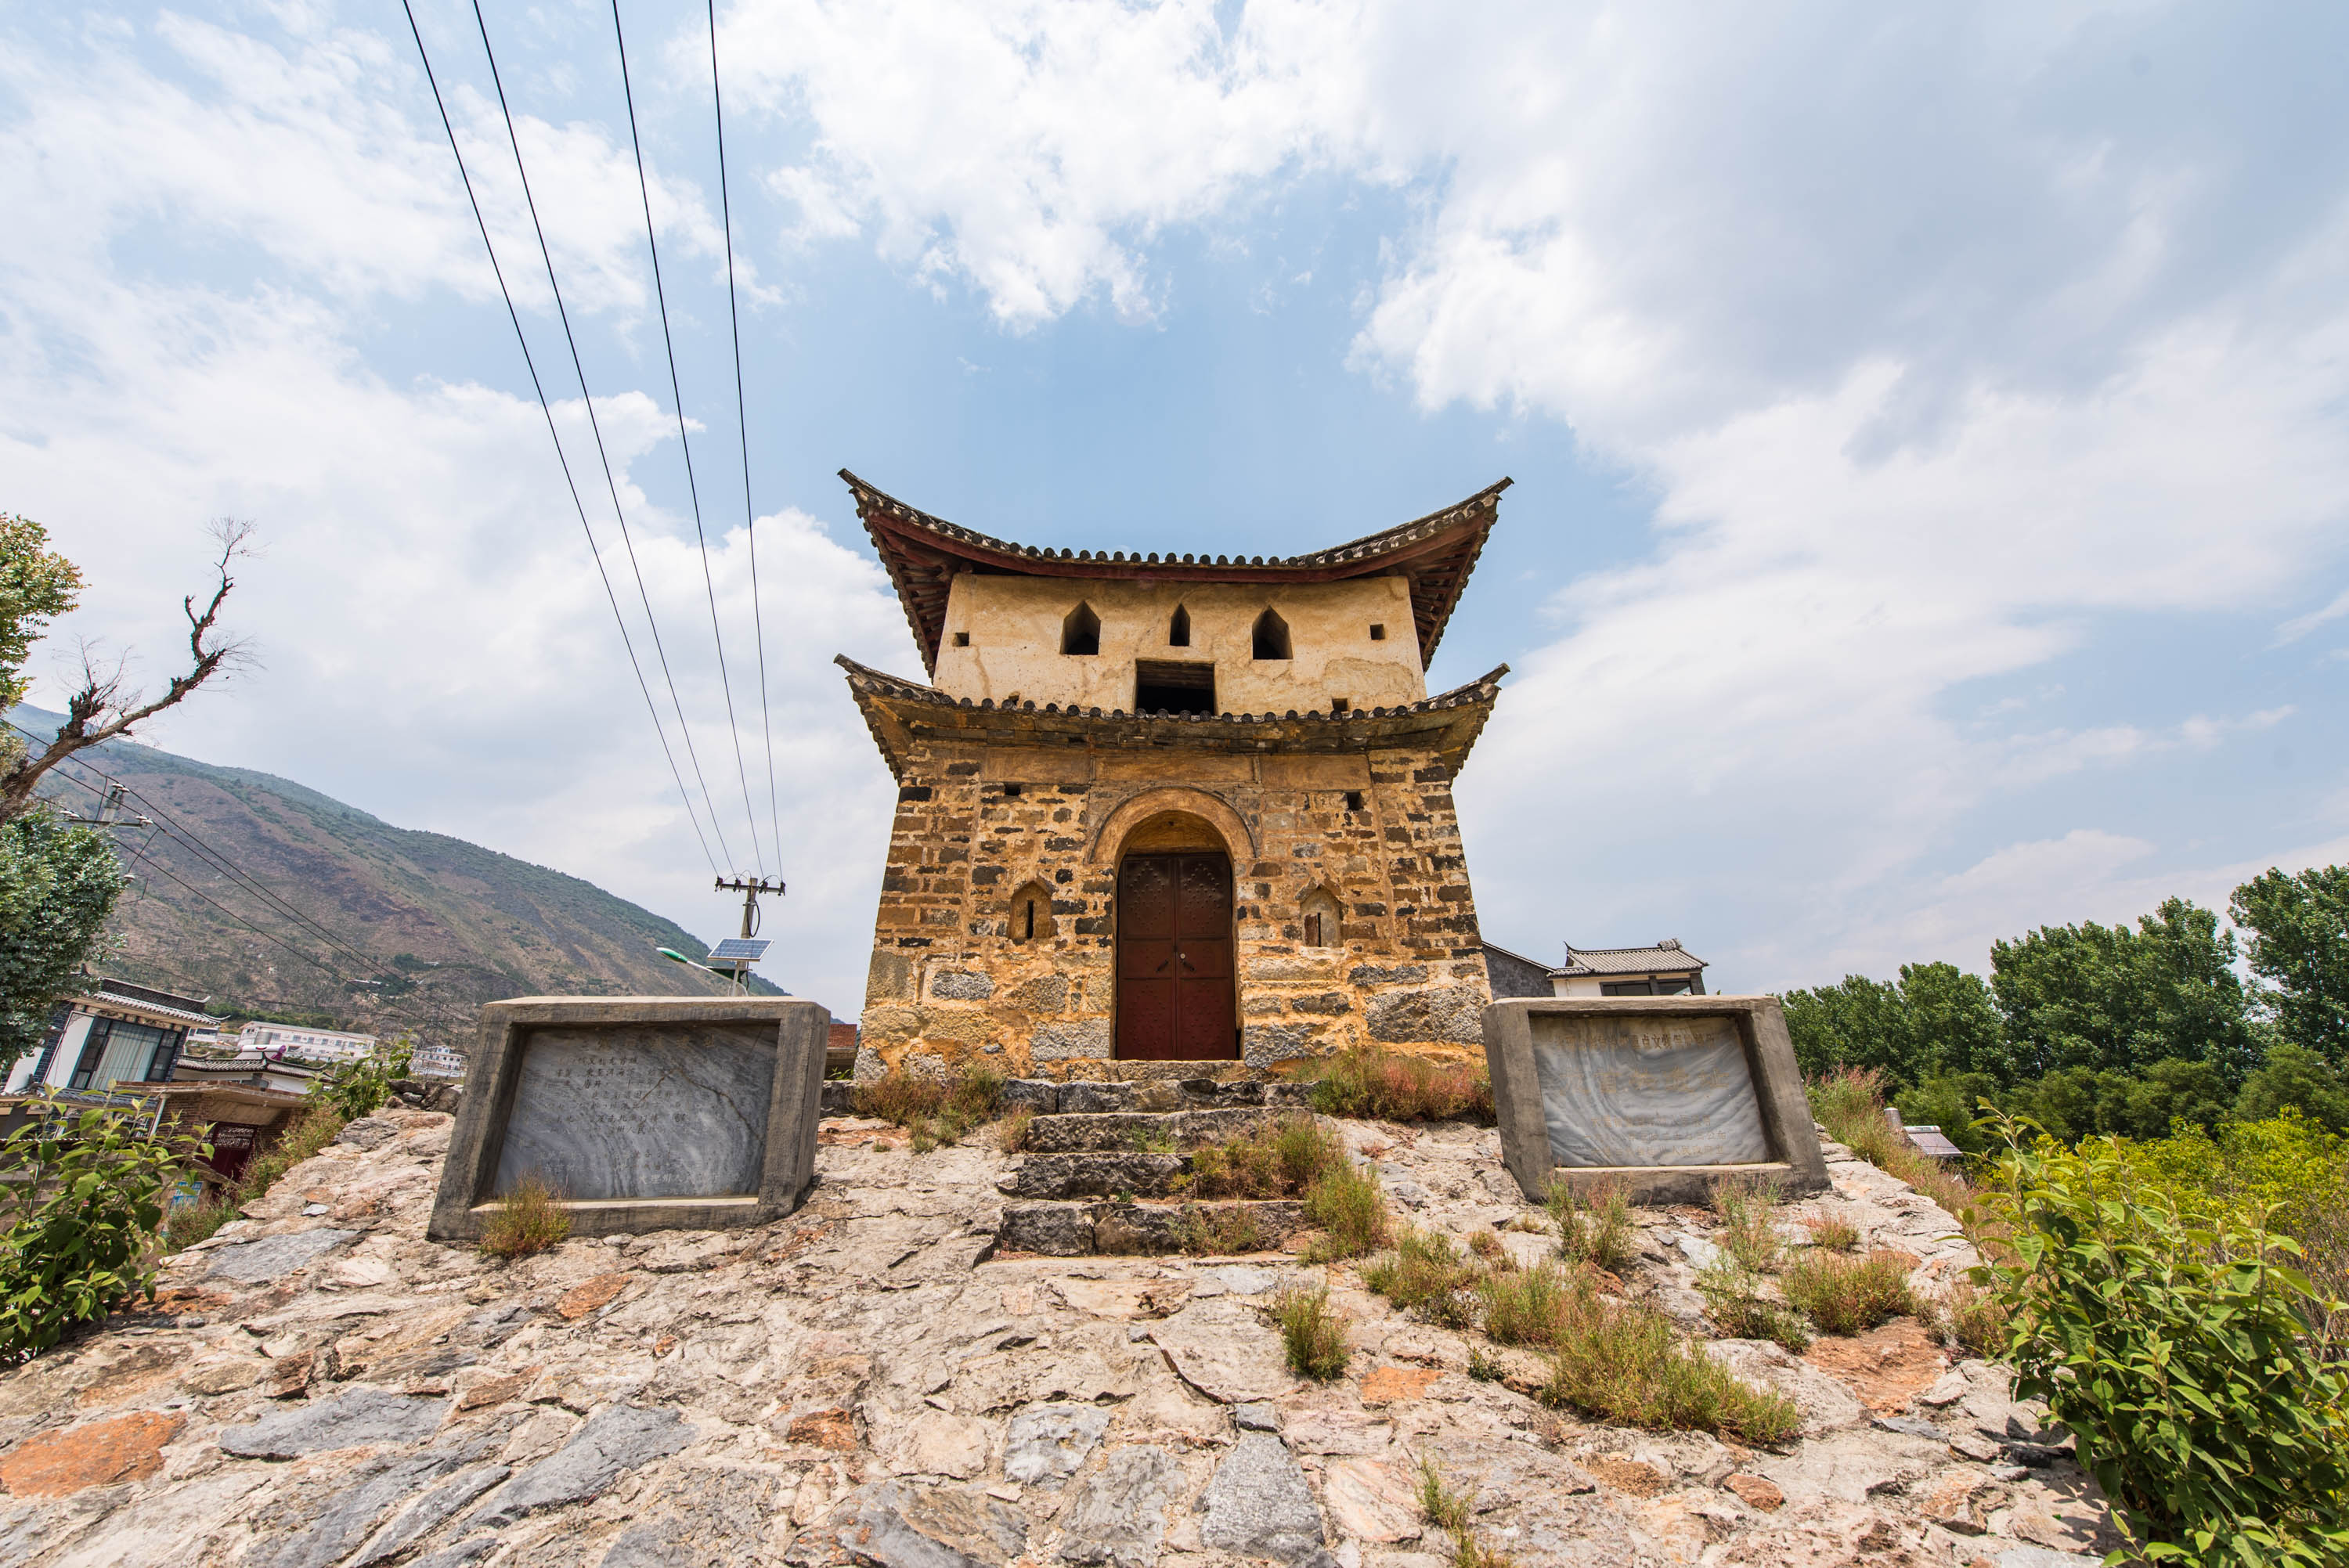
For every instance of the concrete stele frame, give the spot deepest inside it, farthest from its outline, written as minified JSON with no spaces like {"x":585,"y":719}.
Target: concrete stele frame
{"x":1513,"y":1036}
{"x":786,"y":1165}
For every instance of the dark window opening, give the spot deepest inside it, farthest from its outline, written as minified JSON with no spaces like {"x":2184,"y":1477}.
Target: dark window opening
{"x":1032,"y":914}
{"x":1178,"y":631}
{"x":1353,"y":800}
{"x":1271,"y":636}
{"x":1080,"y":633}
{"x":1625,"y":988}
{"x":1339,"y":705}
{"x":1672,"y":988}
{"x":1011,"y":791}
{"x":1313,"y":931}
{"x":1160,"y":686}
{"x":962,"y":639}
{"x":1377,"y":632}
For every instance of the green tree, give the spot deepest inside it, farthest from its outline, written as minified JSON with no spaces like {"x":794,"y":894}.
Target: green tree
{"x":1937,"y":1021}
{"x":2113,"y":999}
{"x":35,"y":587}
{"x":2295,"y":1077}
{"x":58,"y":886}
{"x":2299,"y":946}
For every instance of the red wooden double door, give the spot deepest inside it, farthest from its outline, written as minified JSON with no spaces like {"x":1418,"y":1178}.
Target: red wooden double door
{"x":1174,"y":1000}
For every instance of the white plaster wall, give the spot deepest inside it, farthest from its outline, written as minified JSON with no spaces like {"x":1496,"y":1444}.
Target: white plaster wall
{"x":1014,"y":626}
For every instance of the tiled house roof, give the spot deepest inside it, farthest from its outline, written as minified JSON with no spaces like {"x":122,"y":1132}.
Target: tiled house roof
{"x":1666,"y":957}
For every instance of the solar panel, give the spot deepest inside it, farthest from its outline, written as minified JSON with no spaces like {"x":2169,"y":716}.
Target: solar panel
{"x":739,"y":950}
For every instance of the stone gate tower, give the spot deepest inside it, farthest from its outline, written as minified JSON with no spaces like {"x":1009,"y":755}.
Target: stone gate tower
{"x":1171,"y":808}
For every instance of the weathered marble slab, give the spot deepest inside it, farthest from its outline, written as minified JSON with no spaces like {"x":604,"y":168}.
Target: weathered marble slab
{"x":1647,"y":1091}
{"x":640,"y":1113}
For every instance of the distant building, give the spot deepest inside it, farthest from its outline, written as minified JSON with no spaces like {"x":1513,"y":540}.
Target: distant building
{"x":249,"y":1067}
{"x":437,"y":1062}
{"x":310,"y":1045}
{"x":117,"y":1033}
{"x":1666,"y":969}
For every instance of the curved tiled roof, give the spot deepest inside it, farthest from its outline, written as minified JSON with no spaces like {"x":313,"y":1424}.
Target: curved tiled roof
{"x":1449,"y":722}
{"x":922,"y":555}
{"x":1667,"y":956}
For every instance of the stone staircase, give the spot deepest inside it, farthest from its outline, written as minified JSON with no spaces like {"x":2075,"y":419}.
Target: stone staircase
{"x":1103,"y":1159}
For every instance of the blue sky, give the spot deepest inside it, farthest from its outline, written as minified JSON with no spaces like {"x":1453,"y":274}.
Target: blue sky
{"x":1929,"y":427}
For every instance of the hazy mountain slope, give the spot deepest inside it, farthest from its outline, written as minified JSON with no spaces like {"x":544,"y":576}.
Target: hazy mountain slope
{"x":439,"y":925}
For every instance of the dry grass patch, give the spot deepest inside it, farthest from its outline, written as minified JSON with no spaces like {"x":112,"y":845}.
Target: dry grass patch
{"x":1367,"y":1083}
{"x":1448,"y":1511}
{"x":1834,"y":1234}
{"x":1525,"y":1307}
{"x":1591,"y":1230}
{"x":1737,"y":1300}
{"x":1428,"y":1275}
{"x":528,"y":1219}
{"x":936,"y":1110}
{"x":1749,"y":1223}
{"x":1312,"y":1334}
{"x":1851,"y":1106}
{"x":1627,"y":1365}
{"x":1281,"y":1160}
{"x":1849,"y":1295}
{"x":1346,"y":1202}
{"x":1213,"y":1230}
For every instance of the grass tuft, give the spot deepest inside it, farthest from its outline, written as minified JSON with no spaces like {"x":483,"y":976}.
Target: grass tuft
{"x":1734,"y":1299}
{"x":1834,"y":1234}
{"x":1748,"y":1212}
{"x":1525,"y":1308}
{"x":1366,"y":1082}
{"x":1448,"y":1511}
{"x":1426,"y":1274}
{"x":1850,"y":1295}
{"x":936,"y":1111}
{"x":1012,"y":1132}
{"x":1594,"y":1231}
{"x":1346,"y":1202}
{"x":528,"y":1219}
{"x":1850,"y":1105}
{"x":1627,"y":1365}
{"x":1313,"y":1333}
{"x":1280,"y":1160}
{"x":1212,"y":1230}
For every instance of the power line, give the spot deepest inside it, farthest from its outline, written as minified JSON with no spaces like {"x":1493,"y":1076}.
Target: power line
{"x":742,"y":425}
{"x":595,"y":426}
{"x":661,"y":294}
{"x":593,"y":552}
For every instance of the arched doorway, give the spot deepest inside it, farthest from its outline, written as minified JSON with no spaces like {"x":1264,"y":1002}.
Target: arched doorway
{"x":1176,"y":1000}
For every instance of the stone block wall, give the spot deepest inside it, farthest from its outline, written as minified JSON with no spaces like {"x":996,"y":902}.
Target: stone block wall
{"x":977,"y":826}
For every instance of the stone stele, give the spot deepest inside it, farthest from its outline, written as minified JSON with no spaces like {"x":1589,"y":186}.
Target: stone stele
{"x":642,"y":1112}
{"x":1664,"y":1096}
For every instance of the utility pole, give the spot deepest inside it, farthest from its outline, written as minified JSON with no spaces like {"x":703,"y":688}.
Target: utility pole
{"x":750,"y":888}
{"x":109,"y":815}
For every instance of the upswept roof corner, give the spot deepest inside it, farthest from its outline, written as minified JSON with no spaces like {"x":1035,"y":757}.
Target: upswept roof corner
{"x":894,"y":707}
{"x":922,"y":553}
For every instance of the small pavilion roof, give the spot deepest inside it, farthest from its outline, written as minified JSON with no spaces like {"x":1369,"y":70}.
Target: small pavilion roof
{"x":1666,"y":957}
{"x":922,"y":553}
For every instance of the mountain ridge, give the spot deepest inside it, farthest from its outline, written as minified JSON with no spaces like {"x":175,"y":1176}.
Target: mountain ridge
{"x":426,"y":926}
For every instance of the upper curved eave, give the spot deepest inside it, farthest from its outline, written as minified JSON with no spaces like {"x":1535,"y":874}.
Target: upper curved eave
{"x":922,"y":553}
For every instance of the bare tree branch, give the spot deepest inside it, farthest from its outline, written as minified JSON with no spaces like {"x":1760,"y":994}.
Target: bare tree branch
{"x":99,"y":710}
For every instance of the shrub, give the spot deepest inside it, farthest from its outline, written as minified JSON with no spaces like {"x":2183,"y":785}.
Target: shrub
{"x":1313,"y":1333}
{"x":1366,"y":1082}
{"x":1487,"y":1247}
{"x":1426,"y":1274}
{"x":1834,"y":1232}
{"x":1524,"y":1306}
{"x":1346,"y":1203}
{"x":1278,"y":1160}
{"x":357,"y":1088}
{"x":1595,"y":1231}
{"x":1734,"y":1299}
{"x":1482,"y":1367}
{"x":2177,"y":1353}
{"x":1627,"y":1365}
{"x":188,"y":1224}
{"x":1849,"y":1295}
{"x":306,"y":1133}
{"x":528,"y":1219}
{"x":81,"y":1220}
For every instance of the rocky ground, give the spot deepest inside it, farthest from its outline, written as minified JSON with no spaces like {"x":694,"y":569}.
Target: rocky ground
{"x":869,"y":1381}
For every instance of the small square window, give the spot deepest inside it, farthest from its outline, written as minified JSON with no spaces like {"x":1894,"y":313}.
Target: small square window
{"x":962,"y":639}
{"x":1011,"y":791}
{"x":1377,"y":632}
{"x":1353,"y":800}
{"x":1339,"y":705}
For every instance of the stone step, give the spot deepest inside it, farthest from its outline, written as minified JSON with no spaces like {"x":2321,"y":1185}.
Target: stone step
{"x":1130,"y":1131}
{"x":1073,"y":1230}
{"x":1101,"y":1174}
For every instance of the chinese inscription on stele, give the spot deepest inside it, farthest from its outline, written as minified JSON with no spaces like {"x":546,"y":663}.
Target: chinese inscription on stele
{"x":641,"y":1113}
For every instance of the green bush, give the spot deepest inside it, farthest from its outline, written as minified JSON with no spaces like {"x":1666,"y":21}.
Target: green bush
{"x":84,"y":1205}
{"x":1312,"y":1334}
{"x":357,"y":1088}
{"x":2177,"y":1355}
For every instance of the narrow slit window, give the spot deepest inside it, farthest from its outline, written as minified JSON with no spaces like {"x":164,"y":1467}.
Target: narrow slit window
{"x":1178,"y":630}
{"x":1032,"y":914}
{"x":1313,"y":930}
{"x":1080,"y":633}
{"x":1271,"y":638}
{"x":1377,"y":632}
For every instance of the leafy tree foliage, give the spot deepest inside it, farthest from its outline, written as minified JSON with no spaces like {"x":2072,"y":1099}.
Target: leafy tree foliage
{"x":35,"y":586}
{"x":1937,"y":1021}
{"x":58,"y":886}
{"x":2295,"y":1078}
{"x":2299,"y":946}
{"x":2117,"y":1000}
